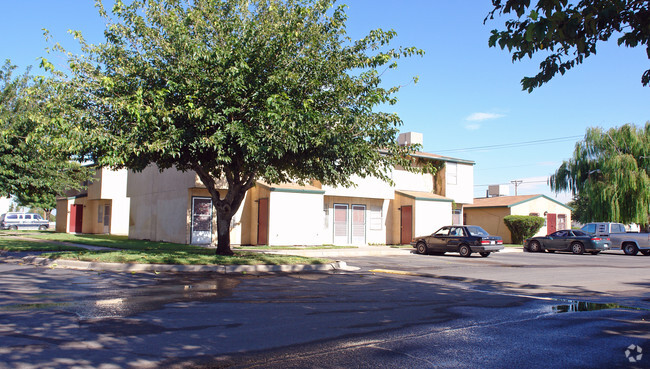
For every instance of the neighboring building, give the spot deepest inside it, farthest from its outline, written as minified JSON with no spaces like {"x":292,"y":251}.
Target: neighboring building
{"x":174,"y":206}
{"x":489,"y":212}
{"x":102,"y":208}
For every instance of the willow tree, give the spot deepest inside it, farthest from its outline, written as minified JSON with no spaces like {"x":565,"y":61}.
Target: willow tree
{"x":609,"y":173}
{"x":237,"y":91}
{"x":568,"y":32}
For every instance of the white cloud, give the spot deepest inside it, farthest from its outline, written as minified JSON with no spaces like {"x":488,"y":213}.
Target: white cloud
{"x":473,"y":127}
{"x":479,"y":117}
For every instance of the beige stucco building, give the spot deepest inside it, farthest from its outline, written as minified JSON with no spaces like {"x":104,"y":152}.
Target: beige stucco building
{"x":102,"y":208}
{"x":489,"y":212}
{"x":174,"y":206}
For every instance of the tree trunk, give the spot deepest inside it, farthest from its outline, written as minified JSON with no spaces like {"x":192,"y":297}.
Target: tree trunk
{"x":223,"y":233}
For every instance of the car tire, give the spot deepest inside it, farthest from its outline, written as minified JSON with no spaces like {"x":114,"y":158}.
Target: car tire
{"x":630,"y":249}
{"x":421,"y":248}
{"x":595,"y":252}
{"x":534,"y":246}
{"x":645,"y":252}
{"x":577,"y":248}
{"x":13,"y":228}
{"x":464,"y":251}
{"x":484,"y":254}
{"x":42,"y":228}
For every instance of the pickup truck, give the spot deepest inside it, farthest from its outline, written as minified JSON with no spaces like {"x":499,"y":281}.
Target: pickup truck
{"x":630,"y":242}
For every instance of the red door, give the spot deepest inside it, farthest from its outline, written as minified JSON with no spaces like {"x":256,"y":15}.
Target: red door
{"x":263,"y":222}
{"x":76,"y":216}
{"x":551,"y":224}
{"x":406,"y":225}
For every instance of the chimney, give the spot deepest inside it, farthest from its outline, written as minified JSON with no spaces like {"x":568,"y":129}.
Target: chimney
{"x":410,"y":138}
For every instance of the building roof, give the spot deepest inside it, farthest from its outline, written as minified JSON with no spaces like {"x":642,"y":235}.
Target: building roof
{"x":508,"y":201}
{"x":292,"y":187}
{"x":426,"y":196}
{"x":426,"y":155}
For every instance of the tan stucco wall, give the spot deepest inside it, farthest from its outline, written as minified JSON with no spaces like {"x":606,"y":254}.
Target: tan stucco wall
{"x":394,"y":234}
{"x":490,"y":219}
{"x":540,"y":206}
{"x":62,"y":219}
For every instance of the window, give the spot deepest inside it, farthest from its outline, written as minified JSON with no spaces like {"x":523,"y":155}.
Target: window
{"x":12,"y":216}
{"x":561,"y":221}
{"x":589,"y":228}
{"x":28,"y":216}
{"x":534,"y":214}
{"x":376,"y":217}
{"x":100,"y":214}
{"x":452,"y":173}
{"x":443,"y":232}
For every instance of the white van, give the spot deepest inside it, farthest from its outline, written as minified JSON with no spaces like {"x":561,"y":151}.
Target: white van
{"x":17,"y":221}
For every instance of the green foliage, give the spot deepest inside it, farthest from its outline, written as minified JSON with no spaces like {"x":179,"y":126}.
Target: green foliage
{"x":238,"y":90}
{"x":523,"y":226}
{"x":35,"y":164}
{"x":610,"y":172}
{"x":580,"y":212}
{"x":568,"y":32}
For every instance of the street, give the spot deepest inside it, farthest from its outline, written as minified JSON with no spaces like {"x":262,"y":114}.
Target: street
{"x":508,"y":310}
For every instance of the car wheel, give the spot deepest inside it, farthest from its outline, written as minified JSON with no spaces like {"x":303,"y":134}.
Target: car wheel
{"x":534,"y":246}
{"x":484,"y":254}
{"x":421,"y":248}
{"x":577,"y":248}
{"x":465,"y":251}
{"x":13,"y":228}
{"x":595,"y":252}
{"x":630,"y":249}
{"x":645,"y":252}
{"x":42,"y":228}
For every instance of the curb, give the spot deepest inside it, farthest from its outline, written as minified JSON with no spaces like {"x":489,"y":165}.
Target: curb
{"x":221,"y":269}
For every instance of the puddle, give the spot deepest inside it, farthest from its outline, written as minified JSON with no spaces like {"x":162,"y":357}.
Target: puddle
{"x":580,"y":306}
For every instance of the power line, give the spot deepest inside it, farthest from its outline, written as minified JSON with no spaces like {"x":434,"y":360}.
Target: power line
{"x":514,"y":144}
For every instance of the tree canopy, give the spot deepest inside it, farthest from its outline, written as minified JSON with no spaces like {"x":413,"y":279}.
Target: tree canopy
{"x":239,"y":90}
{"x":34,"y":160}
{"x":609,"y":173}
{"x":568,"y":32}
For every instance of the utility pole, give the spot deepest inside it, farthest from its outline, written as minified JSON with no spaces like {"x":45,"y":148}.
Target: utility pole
{"x":516,"y":183}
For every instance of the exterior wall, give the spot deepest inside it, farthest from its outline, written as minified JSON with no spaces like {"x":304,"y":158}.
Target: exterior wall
{"x":490,"y":219}
{"x":374,"y":234}
{"x":541,"y":206}
{"x":429,"y":216}
{"x":295,"y":218}
{"x":370,"y":187}
{"x":394,"y":234}
{"x":62,"y":215}
{"x":463,"y":191}
{"x":407,"y":181}
{"x":159,"y":204}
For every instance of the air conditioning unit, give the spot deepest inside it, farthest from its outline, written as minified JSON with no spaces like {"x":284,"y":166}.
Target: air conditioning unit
{"x":498,"y":190}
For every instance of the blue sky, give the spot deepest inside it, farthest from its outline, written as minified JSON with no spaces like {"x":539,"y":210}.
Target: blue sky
{"x":468,"y":95}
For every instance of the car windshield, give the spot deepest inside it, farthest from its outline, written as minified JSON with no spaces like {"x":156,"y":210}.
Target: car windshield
{"x":477,"y":231}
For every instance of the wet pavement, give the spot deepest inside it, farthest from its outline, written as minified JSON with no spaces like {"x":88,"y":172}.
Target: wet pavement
{"x":58,"y":318}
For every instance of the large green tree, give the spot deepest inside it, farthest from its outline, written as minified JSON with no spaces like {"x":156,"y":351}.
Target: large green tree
{"x":238,"y":91}
{"x":34,"y":161}
{"x":610,"y":174}
{"x":568,"y":32}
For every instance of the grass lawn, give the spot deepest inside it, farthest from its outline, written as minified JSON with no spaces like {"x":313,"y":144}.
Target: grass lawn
{"x":138,"y":251}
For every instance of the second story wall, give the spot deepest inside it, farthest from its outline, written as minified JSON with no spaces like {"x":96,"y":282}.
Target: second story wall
{"x":459,"y":182}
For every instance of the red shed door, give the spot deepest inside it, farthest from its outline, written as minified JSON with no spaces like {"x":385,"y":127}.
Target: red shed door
{"x":551,"y":223}
{"x":76,"y":217}
{"x":263,"y":222}
{"x":406,"y":225}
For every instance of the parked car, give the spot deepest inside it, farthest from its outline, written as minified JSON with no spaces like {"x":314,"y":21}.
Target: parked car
{"x":571,"y":240}
{"x":23,"y":221}
{"x":630,"y":242}
{"x":464,"y":240}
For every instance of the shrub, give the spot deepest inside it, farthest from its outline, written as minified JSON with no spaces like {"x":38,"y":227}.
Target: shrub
{"x":523,"y":226}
